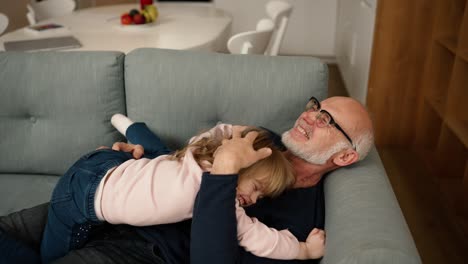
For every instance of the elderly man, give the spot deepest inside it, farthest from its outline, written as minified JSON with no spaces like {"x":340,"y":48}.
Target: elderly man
{"x":327,"y":135}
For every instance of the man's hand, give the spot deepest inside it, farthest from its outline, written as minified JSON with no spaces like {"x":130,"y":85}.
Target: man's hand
{"x":314,"y":247}
{"x":237,"y":153}
{"x":136,"y":150}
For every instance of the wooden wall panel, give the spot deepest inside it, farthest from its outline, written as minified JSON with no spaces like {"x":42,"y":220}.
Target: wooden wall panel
{"x":464,"y":203}
{"x":401,"y":43}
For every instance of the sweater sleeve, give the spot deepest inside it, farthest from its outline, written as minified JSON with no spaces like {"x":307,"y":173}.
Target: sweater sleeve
{"x":263,"y":241}
{"x":213,"y":233}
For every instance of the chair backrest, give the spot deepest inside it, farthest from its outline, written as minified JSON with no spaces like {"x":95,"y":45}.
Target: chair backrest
{"x":252,"y":42}
{"x":3,"y":23}
{"x":30,"y":15}
{"x":38,"y":11}
{"x":279,"y":12}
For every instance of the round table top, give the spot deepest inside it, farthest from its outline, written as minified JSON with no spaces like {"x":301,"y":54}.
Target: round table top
{"x":179,"y":26}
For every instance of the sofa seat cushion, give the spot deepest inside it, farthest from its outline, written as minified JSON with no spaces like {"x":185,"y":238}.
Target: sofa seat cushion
{"x":19,"y":191}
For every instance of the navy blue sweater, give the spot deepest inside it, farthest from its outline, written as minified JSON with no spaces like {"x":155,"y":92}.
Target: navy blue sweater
{"x":211,"y":235}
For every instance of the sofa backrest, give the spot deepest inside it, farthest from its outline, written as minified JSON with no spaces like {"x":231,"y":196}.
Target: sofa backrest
{"x":180,"y":93}
{"x":60,"y":103}
{"x":56,"y":106}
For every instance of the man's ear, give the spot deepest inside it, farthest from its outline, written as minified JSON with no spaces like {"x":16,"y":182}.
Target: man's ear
{"x":345,"y":157}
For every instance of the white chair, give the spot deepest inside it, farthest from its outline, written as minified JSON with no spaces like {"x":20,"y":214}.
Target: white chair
{"x":252,"y":42}
{"x":279,"y":12}
{"x":30,"y":15}
{"x":3,"y":23}
{"x":38,"y":11}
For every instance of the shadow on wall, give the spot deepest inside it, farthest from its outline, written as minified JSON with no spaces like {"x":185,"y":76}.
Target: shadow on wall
{"x":16,"y":12}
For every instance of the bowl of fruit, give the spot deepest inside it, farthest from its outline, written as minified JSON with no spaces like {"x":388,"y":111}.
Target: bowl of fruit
{"x":135,"y":18}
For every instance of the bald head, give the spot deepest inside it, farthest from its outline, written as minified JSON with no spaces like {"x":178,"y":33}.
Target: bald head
{"x":354,"y":119}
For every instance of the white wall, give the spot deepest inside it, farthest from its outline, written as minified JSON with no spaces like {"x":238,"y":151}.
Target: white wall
{"x":354,"y":37}
{"x":311,"y":30}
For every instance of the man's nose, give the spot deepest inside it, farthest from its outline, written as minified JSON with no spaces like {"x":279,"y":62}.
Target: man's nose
{"x":310,"y":117}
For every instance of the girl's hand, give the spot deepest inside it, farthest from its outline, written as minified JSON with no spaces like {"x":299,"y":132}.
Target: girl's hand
{"x":315,"y":243}
{"x":237,"y":153}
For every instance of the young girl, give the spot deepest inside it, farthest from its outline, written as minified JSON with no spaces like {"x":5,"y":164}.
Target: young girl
{"x":110,"y":186}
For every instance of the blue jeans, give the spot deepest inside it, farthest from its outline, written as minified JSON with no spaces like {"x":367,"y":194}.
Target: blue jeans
{"x":71,"y":214}
{"x":20,"y":232}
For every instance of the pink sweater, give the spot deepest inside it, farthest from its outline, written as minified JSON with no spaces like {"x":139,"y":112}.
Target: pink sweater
{"x":159,"y":191}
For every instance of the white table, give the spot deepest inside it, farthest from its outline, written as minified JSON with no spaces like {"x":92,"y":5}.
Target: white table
{"x":179,"y":26}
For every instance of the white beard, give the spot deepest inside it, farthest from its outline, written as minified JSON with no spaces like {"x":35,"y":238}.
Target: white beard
{"x":309,"y":153}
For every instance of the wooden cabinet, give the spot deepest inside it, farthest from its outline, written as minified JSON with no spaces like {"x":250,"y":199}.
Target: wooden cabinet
{"x":418,"y":89}
{"x":444,"y":107}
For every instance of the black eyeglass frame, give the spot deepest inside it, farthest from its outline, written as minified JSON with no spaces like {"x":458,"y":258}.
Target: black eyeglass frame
{"x":332,"y":121}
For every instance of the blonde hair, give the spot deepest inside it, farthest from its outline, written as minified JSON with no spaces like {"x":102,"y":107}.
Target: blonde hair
{"x":280,"y":175}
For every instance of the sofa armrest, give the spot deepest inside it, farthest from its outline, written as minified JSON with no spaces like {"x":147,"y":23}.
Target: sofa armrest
{"x":363,"y":220}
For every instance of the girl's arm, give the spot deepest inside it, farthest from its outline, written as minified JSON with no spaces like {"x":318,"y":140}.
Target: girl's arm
{"x":214,"y":233}
{"x":263,"y":241}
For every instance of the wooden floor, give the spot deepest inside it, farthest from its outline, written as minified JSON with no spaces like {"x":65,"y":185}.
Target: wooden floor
{"x":440,"y":235}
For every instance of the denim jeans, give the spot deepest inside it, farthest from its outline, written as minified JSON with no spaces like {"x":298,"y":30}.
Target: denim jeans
{"x":21,"y":232}
{"x":71,"y":214}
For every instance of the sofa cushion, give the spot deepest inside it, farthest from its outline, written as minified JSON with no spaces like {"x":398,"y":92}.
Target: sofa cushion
{"x":56,"y":107}
{"x":180,"y":93}
{"x":19,"y":191}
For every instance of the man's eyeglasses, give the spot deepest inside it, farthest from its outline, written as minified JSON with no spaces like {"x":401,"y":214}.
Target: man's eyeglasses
{"x":323,"y":118}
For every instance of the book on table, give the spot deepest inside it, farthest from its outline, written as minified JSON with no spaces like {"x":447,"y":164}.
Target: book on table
{"x":43,"y":44}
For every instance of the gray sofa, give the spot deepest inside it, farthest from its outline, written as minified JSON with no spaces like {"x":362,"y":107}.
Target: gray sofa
{"x":56,"y":106}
